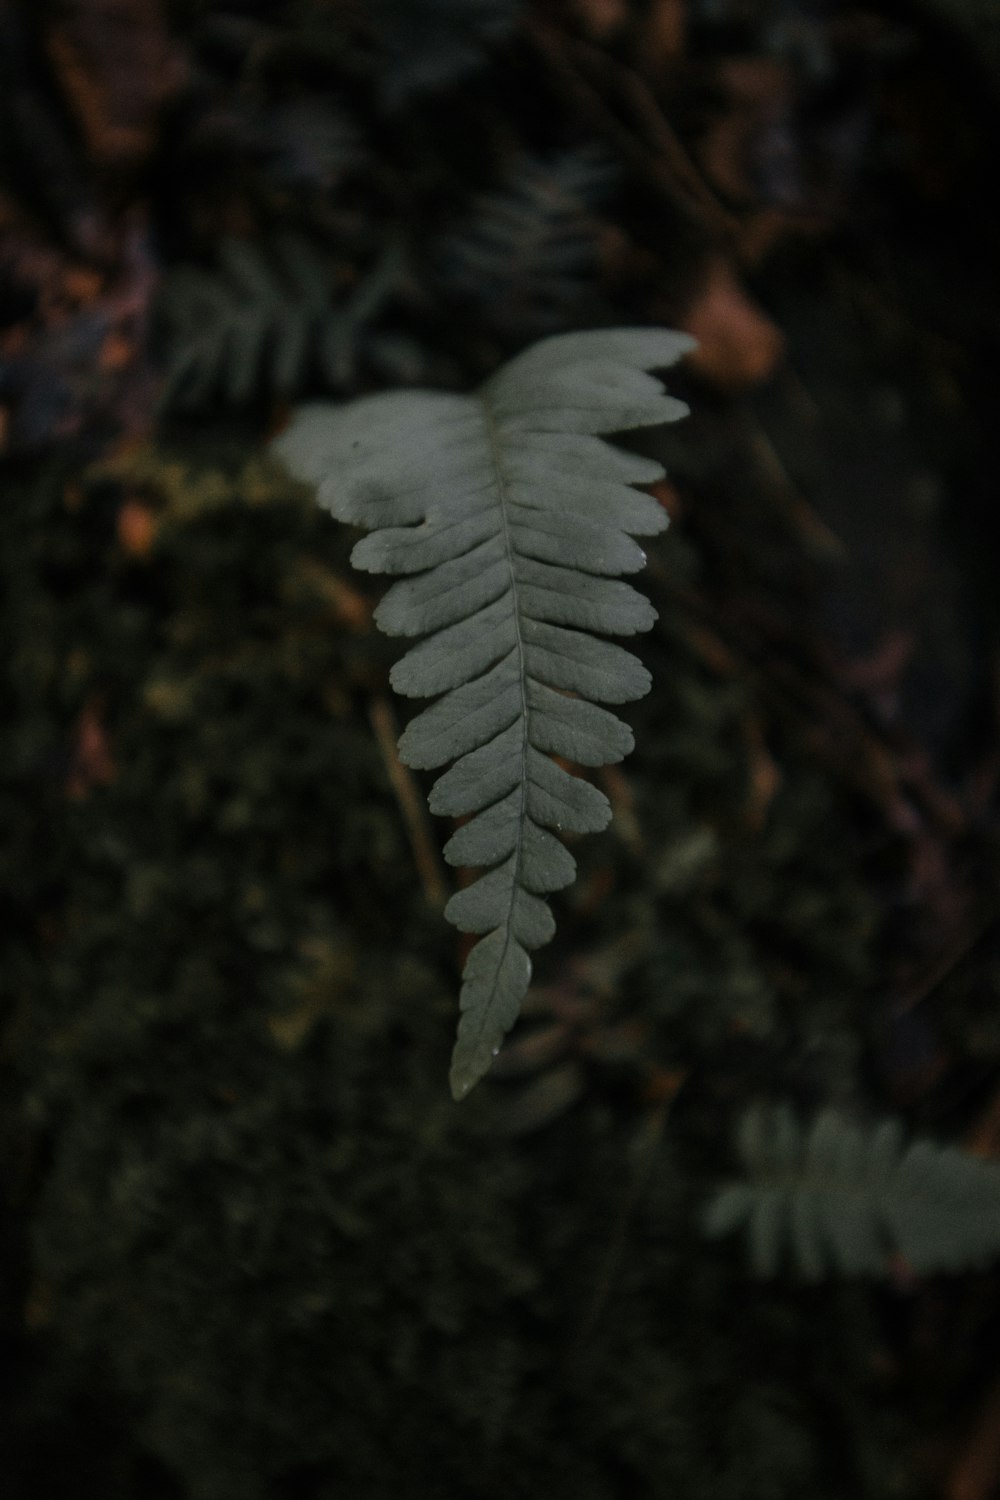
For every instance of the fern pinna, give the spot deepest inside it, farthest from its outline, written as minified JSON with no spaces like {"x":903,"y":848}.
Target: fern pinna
{"x":267,"y":322}
{"x":527,"y":252}
{"x":845,"y":1195}
{"x":514,"y":520}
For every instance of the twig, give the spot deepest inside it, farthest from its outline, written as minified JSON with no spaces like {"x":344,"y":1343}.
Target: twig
{"x":623,"y":806}
{"x":661,"y":157}
{"x":778,"y":659}
{"x":975,"y":1475}
{"x":662,"y":136}
{"x":818,"y":537}
{"x":647,"y":1145}
{"x":957,"y":951}
{"x":411,"y":804}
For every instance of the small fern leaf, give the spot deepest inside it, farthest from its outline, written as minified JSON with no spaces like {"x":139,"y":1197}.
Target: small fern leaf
{"x":510,"y":521}
{"x":247,"y":329}
{"x":842,"y":1196}
{"x":266,"y":323}
{"x":308,"y":142}
{"x":428,"y":45}
{"x":527,"y":253}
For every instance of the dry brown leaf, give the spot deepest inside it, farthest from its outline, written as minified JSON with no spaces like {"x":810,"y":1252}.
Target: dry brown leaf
{"x":763,"y":773}
{"x":663,"y":32}
{"x":93,"y":764}
{"x":669,"y":497}
{"x":117,"y":65}
{"x":738,"y":344}
{"x":602,"y":18}
{"x":136,"y":527}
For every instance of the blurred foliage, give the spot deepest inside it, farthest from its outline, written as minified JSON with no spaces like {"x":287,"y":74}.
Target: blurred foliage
{"x":847,"y":1197}
{"x":261,"y":1221}
{"x":249,"y":1247}
{"x":266,"y":323}
{"x":526,"y":260}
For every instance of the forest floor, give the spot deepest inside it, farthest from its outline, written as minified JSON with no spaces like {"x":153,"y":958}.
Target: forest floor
{"x":250,"y":1247}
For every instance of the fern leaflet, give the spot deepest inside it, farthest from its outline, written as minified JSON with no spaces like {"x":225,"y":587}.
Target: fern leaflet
{"x":266,"y":324}
{"x":844,"y":1195}
{"x":527,"y":253}
{"x":428,"y":45}
{"x":512,"y":522}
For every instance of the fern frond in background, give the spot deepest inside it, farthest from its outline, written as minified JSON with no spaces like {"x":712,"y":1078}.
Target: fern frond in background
{"x":527,"y":254}
{"x":404,"y":48}
{"x":844,"y":1196}
{"x":426,"y":45}
{"x":265,"y":325}
{"x":516,"y":522}
{"x":308,"y":142}
{"x":300,"y":144}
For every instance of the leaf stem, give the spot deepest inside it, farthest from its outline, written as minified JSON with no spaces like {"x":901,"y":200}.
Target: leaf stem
{"x":411,"y":803}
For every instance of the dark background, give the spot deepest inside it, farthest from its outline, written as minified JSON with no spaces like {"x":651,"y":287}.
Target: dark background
{"x":248,"y":1245}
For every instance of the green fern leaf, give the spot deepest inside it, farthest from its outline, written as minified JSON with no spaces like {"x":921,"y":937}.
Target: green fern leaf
{"x":265,"y":324}
{"x":428,"y":45}
{"x":510,"y":521}
{"x":527,"y":253}
{"x":846,"y":1196}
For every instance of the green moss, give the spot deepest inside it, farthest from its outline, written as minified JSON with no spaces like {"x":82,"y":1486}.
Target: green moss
{"x":265,"y":1243}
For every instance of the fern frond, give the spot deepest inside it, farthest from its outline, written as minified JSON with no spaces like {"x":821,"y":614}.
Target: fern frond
{"x":527,"y":253}
{"x":266,"y":325}
{"x":430,"y":44}
{"x":311,"y":142}
{"x":845,"y":1196}
{"x":512,"y":522}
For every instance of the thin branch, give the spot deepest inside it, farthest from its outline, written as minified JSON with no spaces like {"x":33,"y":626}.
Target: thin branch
{"x":665,"y":1086}
{"x":411,"y":803}
{"x":654,"y":147}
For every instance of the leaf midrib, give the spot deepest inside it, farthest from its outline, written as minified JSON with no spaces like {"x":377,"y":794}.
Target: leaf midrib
{"x":502,"y":483}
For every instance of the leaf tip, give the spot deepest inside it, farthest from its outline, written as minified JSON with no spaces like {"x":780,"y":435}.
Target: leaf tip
{"x":466,"y":1073}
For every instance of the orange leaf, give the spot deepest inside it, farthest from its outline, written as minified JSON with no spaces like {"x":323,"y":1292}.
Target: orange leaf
{"x":738,"y":344}
{"x":137,"y":527}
